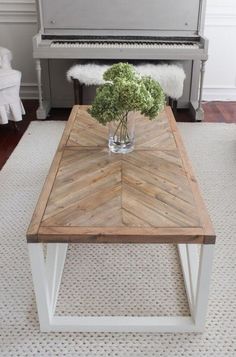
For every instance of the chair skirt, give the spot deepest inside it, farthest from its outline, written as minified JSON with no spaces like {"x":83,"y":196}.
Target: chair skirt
{"x":11,"y":107}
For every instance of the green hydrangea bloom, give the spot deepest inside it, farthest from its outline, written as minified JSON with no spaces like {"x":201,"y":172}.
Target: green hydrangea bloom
{"x":126,"y":91}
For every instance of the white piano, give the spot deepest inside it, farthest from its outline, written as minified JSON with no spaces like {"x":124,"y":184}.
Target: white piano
{"x":134,"y":30}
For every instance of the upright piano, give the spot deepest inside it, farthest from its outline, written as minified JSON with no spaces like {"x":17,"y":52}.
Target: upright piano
{"x":130,"y":30}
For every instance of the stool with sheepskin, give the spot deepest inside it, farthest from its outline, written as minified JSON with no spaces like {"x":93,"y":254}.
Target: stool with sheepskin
{"x":170,"y":76}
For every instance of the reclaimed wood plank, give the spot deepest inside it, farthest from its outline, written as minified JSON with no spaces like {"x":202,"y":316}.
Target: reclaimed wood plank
{"x":47,"y":187}
{"x":206,"y":222}
{"x":119,"y":235}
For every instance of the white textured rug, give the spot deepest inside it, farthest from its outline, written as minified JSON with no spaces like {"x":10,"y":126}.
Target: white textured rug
{"x":137,"y":287}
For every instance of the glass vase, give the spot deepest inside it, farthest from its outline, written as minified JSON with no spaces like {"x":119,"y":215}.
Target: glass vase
{"x":121,"y":134}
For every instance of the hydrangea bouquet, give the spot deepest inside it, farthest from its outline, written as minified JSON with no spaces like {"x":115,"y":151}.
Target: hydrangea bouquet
{"x":123,"y":92}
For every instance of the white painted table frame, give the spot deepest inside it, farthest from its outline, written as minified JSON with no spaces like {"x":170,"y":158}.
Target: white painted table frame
{"x":47,"y":274}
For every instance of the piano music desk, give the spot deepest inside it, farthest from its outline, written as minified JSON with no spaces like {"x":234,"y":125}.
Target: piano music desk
{"x":149,"y":196}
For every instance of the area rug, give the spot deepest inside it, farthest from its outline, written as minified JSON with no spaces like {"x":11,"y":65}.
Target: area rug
{"x":117,"y":280}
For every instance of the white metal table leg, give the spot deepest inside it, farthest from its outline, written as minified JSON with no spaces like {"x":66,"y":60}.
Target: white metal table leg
{"x":46,"y":278}
{"x":203,"y":285}
{"x":47,"y":275}
{"x":56,"y":255}
{"x":197,"y":275}
{"x":189,"y":259}
{"x":40,"y":282}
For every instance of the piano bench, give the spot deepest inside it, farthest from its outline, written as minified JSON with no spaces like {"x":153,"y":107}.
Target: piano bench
{"x":170,"y":76}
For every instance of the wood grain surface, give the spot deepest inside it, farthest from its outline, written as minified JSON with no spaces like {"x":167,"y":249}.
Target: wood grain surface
{"x":94,"y":196}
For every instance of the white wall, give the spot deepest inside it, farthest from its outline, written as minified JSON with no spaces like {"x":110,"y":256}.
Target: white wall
{"x":18,"y":25}
{"x":220,"y":28}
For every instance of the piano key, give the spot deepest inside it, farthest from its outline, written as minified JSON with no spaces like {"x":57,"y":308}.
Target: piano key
{"x":122,"y":45}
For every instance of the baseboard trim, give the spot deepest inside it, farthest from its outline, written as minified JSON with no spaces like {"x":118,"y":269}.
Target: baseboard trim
{"x":219,"y":93}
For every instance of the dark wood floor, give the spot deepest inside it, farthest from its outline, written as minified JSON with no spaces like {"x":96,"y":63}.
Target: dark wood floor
{"x":217,"y":112}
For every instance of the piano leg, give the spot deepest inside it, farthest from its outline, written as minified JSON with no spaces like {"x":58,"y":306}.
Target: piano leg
{"x":44,"y":107}
{"x":199,"y":111}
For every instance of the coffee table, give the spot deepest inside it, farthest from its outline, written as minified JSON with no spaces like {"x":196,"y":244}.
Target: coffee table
{"x":149,"y":196}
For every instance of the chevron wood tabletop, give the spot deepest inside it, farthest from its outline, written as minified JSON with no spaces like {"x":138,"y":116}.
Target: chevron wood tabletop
{"x":147,"y":196}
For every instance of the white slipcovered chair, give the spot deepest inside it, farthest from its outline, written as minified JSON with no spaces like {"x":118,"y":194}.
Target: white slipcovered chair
{"x":11,"y":108}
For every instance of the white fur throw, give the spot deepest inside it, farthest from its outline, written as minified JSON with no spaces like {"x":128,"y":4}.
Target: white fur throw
{"x":170,"y":76}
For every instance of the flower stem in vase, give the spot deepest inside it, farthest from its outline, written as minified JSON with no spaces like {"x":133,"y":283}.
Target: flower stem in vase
{"x":121,"y":135}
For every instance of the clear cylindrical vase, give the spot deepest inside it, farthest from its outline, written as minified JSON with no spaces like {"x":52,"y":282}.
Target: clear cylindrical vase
{"x":121,"y":134}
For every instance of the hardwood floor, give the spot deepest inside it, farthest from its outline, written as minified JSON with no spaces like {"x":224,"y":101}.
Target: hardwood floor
{"x":215,"y":112}
{"x":9,"y":137}
{"x":220,"y":112}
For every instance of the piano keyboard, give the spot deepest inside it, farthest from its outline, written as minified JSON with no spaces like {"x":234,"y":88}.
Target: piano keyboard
{"x":155,"y":45}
